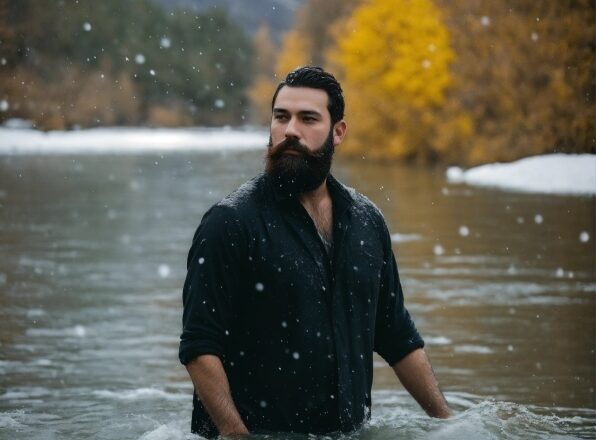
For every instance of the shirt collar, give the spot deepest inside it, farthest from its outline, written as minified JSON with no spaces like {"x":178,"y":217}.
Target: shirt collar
{"x":339,"y":193}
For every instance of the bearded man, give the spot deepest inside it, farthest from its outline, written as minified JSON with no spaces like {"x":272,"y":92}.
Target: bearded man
{"x":291,"y":286}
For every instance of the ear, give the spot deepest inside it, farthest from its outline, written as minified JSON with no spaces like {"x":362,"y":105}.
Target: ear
{"x":339,"y":131}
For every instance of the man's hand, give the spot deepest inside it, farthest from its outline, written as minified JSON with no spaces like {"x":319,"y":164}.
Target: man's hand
{"x":211,"y":384}
{"x":417,"y":376}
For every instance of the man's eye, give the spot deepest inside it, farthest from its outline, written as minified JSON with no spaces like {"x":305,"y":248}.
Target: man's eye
{"x":280,"y":117}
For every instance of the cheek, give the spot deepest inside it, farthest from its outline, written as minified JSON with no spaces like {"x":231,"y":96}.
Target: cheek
{"x":276,"y":133}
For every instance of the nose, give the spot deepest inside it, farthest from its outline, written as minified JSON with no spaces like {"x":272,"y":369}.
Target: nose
{"x":292,"y":129}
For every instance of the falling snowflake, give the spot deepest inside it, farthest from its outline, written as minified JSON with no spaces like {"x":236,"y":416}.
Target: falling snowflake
{"x":163,"y":270}
{"x":165,"y":42}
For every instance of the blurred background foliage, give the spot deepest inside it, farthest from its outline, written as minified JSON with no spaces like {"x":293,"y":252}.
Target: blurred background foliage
{"x":85,"y":63}
{"x":453,"y":81}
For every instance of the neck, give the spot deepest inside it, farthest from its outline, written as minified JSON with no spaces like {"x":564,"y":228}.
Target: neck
{"x":316,"y":196}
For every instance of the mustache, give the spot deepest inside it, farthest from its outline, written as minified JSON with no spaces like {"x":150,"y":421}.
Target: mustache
{"x":291,"y":144}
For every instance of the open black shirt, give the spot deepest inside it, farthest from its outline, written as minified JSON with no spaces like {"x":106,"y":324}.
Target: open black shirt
{"x":294,"y":328}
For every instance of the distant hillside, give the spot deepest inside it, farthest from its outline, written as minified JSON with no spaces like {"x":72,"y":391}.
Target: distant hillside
{"x":277,"y":14}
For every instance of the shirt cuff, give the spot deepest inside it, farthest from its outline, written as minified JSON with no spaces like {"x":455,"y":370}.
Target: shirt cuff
{"x":191,"y":349}
{"x":404,"y":347}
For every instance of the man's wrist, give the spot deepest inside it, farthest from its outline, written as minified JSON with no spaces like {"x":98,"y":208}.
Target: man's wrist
{"x":235,"y":431}
{"x":236,"y":435}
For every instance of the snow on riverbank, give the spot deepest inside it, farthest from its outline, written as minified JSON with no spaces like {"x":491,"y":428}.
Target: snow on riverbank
{"x":549,"y":174}
{"x":120,"y":140}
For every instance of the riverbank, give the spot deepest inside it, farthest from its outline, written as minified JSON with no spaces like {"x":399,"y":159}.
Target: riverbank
{"x":547,"y":174}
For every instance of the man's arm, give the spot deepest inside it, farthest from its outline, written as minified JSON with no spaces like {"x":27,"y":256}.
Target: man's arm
{"x":211,"y":384}
{"x":416,"y":375}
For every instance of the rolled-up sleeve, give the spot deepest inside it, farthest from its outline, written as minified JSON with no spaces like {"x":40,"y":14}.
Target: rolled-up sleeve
{"x":395,"y":333}
{"x":212,"y":280}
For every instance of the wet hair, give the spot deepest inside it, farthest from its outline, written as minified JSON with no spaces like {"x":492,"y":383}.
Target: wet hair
{"x":316,"y":78}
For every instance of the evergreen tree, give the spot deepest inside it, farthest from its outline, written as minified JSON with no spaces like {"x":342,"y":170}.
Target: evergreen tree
{"x":127,"y":58}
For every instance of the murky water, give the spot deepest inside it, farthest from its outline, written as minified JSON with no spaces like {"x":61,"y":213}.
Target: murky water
{"x":92,"y":259}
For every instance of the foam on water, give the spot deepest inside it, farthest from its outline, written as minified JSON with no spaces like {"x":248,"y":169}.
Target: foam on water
{"x":404,"y":238}
{"x":167,"y":432}
{"x":479,"y":349}
{"x":140,"y":394}
{"x":512,"y":293}
{"x":474,"y":419}
{"x":35,"y":313}
{"x":437,"y":340}
{"x":78,"y":331}
{"x":395,"y":416}
{"x":25,"y":393}
{"x":11,"y":420}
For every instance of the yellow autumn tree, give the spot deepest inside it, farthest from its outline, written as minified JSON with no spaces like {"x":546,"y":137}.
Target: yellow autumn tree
{"x":524,"y":74}
{"x":294,"y":52}
{"x":393,"y":58}
{"x":306,"y":43}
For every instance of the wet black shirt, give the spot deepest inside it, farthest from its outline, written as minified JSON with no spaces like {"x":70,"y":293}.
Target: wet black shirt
{"x":294,"y":328}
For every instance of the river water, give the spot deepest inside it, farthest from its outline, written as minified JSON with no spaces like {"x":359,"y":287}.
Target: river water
{"x":92,"y":259}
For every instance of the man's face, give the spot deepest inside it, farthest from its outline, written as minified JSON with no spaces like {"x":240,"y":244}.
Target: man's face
{"x":302,"y":139}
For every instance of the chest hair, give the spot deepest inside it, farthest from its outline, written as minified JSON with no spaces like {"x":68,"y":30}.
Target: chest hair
{"x":322,"y":216}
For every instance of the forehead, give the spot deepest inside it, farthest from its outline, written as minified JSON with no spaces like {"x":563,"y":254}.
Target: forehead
{"x":296,"y":99}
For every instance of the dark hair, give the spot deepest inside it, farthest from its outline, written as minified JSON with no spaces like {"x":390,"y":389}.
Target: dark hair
{"x":316,"y":78}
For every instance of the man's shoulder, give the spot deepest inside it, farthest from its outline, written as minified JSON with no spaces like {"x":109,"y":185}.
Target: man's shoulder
{"x":244,"y":199}
{"x":361,"y":204}
{"x":365,"y":214}
{"x":230,"y":214}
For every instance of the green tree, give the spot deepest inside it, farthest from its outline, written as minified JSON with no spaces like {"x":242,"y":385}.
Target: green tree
{"x":125,"y":57}
{"x":265,"y":80}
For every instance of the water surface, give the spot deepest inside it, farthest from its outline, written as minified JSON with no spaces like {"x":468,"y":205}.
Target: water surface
{"x":92,"y":260}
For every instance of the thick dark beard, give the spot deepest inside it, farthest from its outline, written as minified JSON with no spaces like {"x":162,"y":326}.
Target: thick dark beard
{"x":300,"y":173}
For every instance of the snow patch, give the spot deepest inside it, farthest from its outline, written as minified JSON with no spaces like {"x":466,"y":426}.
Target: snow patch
{"x":120,"y":140}
{"x":549,"y":174}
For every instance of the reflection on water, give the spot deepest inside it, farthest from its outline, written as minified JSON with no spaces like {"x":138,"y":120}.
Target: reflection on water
{"x":92,"y":259}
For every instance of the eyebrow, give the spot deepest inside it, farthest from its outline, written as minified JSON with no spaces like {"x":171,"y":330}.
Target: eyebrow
{"x":300,"y":113}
